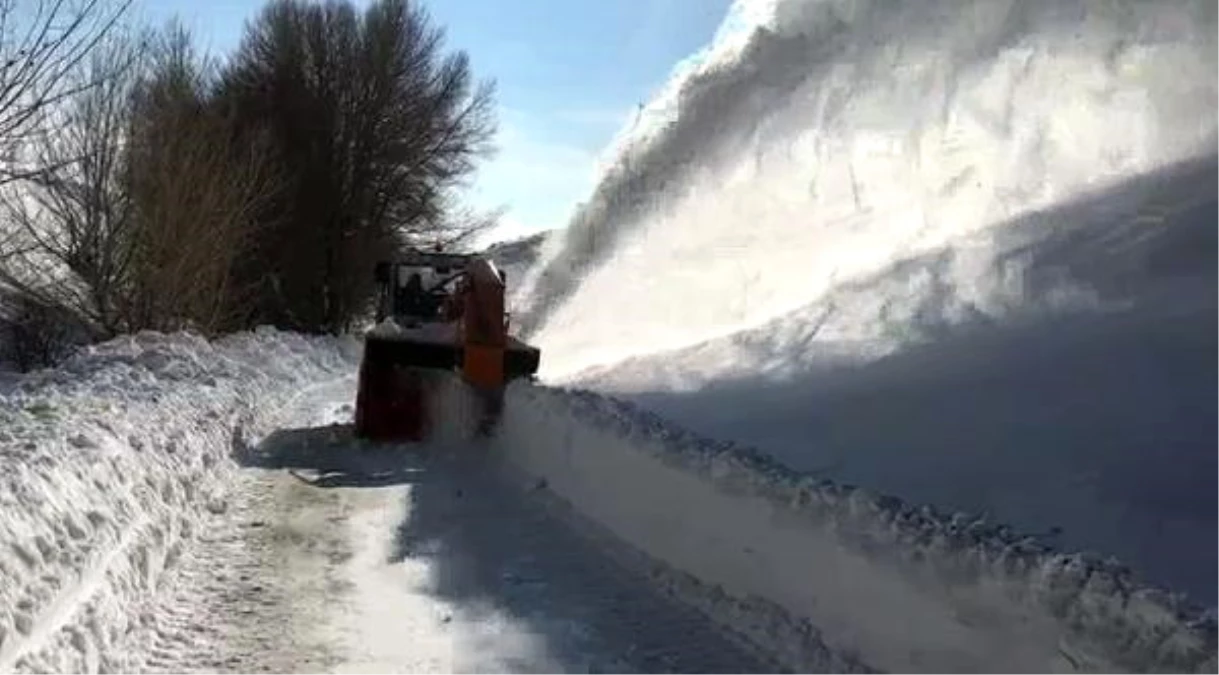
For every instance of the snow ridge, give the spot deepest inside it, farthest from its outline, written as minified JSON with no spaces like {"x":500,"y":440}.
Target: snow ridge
{"x":885,"y":583}
{"x":109,"y":461}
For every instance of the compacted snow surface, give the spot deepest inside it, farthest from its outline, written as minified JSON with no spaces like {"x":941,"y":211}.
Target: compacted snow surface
{"x":431,"y":559}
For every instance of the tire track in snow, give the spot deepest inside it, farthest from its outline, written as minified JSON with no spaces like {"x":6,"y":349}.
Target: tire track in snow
{"x":530,"y":589}
{"x":238,"y":603}
{"x":251,"y":589}
{"x":356,"y":557}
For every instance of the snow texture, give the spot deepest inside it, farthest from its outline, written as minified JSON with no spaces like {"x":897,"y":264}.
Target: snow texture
{"x":961,"y":253}
{"x":341,"y":555}
{"x":120,"y":458}
{"x":833,"y":577}
{"x":111,"y":461}
{"x":835,"y":138}
{"x":1078,"y":398}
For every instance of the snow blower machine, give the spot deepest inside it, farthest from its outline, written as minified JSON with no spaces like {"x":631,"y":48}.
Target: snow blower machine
{"x":438,"y":314}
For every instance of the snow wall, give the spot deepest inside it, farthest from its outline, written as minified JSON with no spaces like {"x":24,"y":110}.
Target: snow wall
{"x":833,"y":577}
{"x":109,"y":461}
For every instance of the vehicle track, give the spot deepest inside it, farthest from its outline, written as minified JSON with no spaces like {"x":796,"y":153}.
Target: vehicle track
{"x":490,"y":544}
{"x":334,"y":555}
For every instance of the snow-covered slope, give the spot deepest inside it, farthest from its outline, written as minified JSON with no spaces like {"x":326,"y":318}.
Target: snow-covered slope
{"x":963,"y":253}
{"x":109,"y":461}
{"x":1089,"y":410}
{"x":956,"y":251}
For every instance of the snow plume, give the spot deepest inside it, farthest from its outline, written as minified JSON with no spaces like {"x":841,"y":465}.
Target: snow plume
{"x":109,"y":461}
{"x":818,"y":141}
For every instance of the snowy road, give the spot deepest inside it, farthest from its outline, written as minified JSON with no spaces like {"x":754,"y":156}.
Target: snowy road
{"x":339,"y":557}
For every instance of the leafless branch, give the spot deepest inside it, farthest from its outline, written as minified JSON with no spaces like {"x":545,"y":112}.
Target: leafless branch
{"x":43,"y":46}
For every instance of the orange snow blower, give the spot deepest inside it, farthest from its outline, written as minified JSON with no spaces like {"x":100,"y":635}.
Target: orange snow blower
{"x":437,"y":313}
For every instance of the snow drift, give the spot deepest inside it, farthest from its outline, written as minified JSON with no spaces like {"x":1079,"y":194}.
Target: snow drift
{"x":109,"y":460}
{"x":833,"y":577}
{"x":816,"y":142}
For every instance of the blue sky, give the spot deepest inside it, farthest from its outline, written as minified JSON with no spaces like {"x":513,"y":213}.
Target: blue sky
{"x":569,"y":74}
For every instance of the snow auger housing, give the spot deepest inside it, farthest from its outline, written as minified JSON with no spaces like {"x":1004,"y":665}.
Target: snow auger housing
{"x":436,"y":313}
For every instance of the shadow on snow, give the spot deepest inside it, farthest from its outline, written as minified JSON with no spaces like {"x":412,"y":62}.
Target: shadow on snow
{"x":1098,"y":424}
{"x":333,"y":457}
{"x":531,"y":593}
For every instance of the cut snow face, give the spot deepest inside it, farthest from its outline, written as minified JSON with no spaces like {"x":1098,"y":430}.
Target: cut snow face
{"x":838,"y":138}
{"x":834,"y":578}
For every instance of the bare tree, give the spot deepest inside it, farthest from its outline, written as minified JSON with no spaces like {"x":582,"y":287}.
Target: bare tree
{"x":373,"y":126}
{"x":194,"y":194}
{"x":160,"y":196}
{"x":36,"y":335}
{"x":69,"y":245}
{"x":456,"y":228}
{"x":43,"y":43}
{"x":146,"y":202}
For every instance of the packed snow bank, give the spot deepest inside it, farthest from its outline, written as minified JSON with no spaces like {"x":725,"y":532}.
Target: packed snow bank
{"x":833,"y":577}
{"x":109,"y":461}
